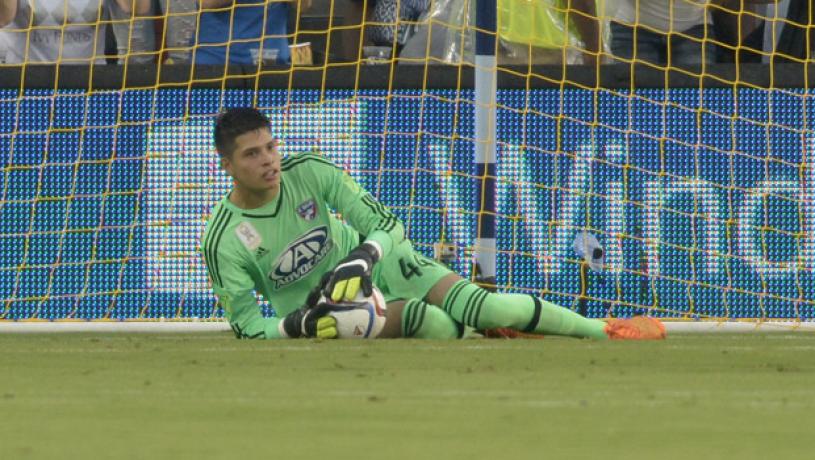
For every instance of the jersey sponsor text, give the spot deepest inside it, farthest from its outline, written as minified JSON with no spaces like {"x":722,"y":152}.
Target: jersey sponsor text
{"x":301,"y":256}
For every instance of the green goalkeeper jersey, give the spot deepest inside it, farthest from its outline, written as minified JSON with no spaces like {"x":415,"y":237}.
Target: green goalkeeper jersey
{"x":282,"y":249}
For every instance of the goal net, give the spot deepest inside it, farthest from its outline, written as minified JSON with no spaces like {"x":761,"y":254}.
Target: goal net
{"x":696,"y":181}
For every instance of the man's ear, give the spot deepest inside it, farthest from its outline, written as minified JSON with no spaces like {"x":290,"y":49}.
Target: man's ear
{"x":226,"y":165}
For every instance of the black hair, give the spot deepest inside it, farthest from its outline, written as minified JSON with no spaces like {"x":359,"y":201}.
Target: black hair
{"x":234,"y":122}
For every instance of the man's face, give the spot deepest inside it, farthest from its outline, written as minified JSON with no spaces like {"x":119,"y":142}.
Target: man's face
{"x":254,"y":162}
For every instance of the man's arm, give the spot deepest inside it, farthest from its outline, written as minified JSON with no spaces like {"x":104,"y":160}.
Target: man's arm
{"x":381,"y":228}
{"x":8,"y":9}
{"x":137,"y":7}
{"x":243,"y":313}
{"x":232,"y":284}
{"x":235,"y":291}
{"x":367,"y":215}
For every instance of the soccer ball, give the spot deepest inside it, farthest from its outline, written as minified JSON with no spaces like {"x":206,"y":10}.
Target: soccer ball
{"x":363,"y":318}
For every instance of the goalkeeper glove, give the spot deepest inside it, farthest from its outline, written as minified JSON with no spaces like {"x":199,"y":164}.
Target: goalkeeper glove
{"x":310,"y":320}
{"x":353,"y":273}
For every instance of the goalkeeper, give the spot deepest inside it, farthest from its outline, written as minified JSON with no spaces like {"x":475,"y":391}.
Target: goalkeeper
{"x":273,"y":234}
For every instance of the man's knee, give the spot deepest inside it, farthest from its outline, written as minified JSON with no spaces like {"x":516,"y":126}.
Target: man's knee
{"x":393,"y":320}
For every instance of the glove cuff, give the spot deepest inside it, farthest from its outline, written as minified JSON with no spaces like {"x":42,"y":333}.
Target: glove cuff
{"x":373,"y":249}
{"x":281,"y":329}
{"x":291,"y":326}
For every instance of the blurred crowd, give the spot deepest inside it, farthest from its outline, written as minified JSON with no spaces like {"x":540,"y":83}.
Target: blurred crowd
{"x":314,"y":32}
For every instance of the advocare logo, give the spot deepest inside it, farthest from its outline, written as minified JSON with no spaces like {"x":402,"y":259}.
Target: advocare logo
{"x":300,"y":257}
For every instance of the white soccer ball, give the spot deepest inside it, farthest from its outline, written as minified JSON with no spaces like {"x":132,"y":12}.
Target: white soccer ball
{"x":363,"y":318}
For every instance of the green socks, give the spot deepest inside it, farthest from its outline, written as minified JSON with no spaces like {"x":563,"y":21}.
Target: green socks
{"x":481,"y":309}
{"x":555,"y":319}
{"x":424,"y":321}
{"x":470,"y":305}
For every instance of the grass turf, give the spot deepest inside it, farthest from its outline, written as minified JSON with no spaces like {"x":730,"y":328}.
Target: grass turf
{"x":210,"y":396}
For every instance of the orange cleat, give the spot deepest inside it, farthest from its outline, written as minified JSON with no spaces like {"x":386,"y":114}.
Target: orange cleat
{"x":507,"y":333}
{"x":636,"y":328}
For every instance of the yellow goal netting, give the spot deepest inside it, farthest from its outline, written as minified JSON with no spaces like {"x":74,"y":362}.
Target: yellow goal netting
{"x":680,"y":144}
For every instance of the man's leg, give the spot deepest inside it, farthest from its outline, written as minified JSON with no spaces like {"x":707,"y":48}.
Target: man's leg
{"x":352,"y":36}
{"x":418,"y":319}
{"x":405,"y":274}
{"x":181,"y":22}
{"x":692,"y":47}
{"x":636,"y":43}
{"x":478,"y":308}
{"x":481,"y":309}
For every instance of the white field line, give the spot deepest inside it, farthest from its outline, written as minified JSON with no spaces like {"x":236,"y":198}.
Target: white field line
{"x":220,"y":326}
{"x":112,"y":326}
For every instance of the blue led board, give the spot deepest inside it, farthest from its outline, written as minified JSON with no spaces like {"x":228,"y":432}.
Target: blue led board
{"x":702,"y":199}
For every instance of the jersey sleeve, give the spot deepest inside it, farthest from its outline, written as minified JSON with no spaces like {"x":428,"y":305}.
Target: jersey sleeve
{"x":356,"y":205}
{"x":234,"y":288}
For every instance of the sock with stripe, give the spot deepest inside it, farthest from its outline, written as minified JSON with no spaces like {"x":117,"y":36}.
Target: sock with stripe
{"x":481,"y":309}
{"x":425,"y":321}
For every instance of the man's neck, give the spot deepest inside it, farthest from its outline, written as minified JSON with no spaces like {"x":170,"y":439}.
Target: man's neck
{"x":249,"y":199}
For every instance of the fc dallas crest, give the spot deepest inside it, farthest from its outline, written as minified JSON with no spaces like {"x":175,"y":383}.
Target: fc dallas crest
{"x":307,"y":210}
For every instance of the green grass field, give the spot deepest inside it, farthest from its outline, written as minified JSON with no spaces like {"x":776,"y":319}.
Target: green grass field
{"x":205,"y":396}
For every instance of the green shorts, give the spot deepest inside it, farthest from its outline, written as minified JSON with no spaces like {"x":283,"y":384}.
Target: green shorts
{"x":405,"y":274}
